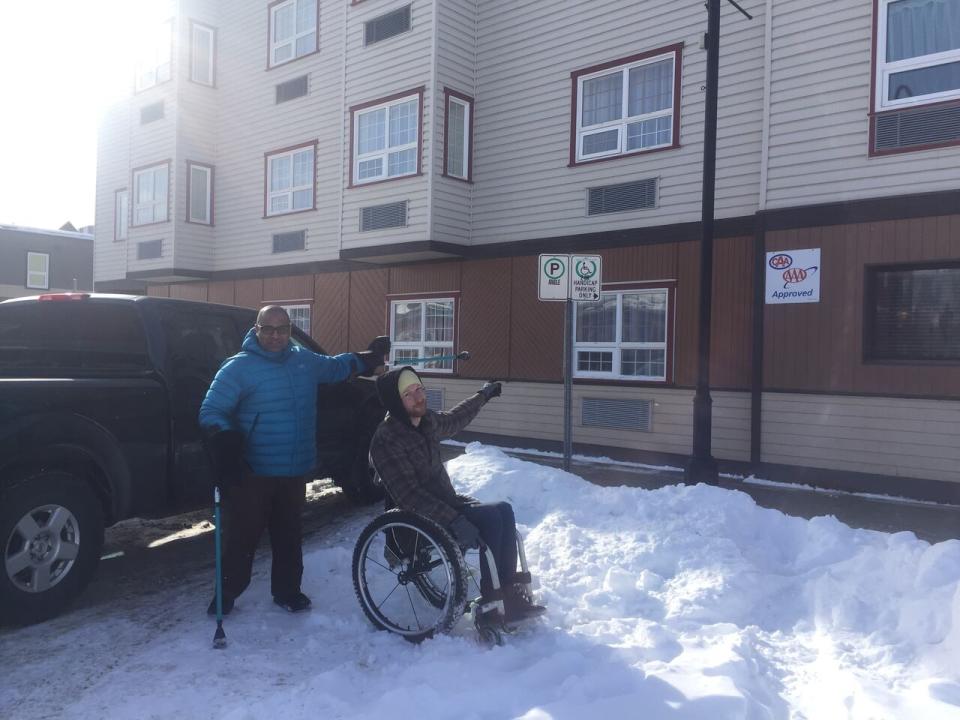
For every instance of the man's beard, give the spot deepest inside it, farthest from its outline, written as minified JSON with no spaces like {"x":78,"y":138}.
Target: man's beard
{"x":418,"y":410}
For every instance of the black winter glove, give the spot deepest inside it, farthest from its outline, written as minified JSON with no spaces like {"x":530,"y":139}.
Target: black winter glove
{"x":490,"y":390}
{"x":465,"y":532}
{"x":225,"y":449}
{"x":373,"y":356}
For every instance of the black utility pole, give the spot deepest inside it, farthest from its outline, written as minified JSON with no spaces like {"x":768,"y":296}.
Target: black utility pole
{"x":702,"y":466}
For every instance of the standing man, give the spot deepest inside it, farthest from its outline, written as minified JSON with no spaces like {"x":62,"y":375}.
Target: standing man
{"x":406,"y":453}
{"x":259,"y":416}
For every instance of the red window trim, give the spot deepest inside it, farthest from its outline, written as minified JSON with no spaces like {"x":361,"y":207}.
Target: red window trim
{"x":191,"y":163}
{"x":447,"y":94}
{"x":169,"y":79}
{"x":213,"y":69}
{"x":266,"y":178}
{"x":298,"y":57}
{"x":455,"y":296}
{"x":133,"y":192}
{"x":419,"y":92}
{"x":575,"y":76}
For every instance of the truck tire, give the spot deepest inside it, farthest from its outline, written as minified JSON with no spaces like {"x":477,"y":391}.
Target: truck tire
{"x":360,"y":483}
{"x":51,"y":536}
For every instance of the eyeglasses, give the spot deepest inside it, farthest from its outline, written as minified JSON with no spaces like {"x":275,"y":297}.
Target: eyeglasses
{"x":274,"y":329}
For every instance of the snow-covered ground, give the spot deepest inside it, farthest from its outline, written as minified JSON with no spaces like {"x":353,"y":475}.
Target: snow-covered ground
{"x":682,"y":602}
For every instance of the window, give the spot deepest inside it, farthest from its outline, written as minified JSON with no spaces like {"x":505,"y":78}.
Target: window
{"x":299,"y":316}
{"x":422,"y":329}
{"x":626,"y":106}
{"x":918,"y":52}
{"x":386,"y":26}
{"x":290,"y":180}
{"x":121,"y":214}
{"x":203,"y":42}
{"x":913,"y":314}
{"x":199,"y":193}
{"x":293,"y":30}
{"x":153,"y":63}
{"x":457,"y":136}
{"x":38,"y":270}
{"x":386,"y":139}
{"x":150,"y":195}
{"x":624,"y":335}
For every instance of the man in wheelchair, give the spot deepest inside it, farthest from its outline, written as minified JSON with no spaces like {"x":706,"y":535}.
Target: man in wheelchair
{"x":406,"y":453}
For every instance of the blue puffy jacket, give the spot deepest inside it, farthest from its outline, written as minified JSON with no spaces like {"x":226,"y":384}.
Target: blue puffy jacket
{"x":271,"y":397}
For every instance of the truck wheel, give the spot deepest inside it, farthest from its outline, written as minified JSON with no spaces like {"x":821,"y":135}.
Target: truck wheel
{"x":361,"y":485}
{"x":51,"y":535}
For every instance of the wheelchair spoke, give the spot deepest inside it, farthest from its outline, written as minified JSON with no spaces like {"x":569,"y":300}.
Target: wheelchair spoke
{"x":380,"y":564}
{"x":415,"y":617}
{"x":380,"y":604}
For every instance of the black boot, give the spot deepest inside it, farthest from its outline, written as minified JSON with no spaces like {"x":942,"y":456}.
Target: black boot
{"x":227,"y":605}
{"x":517,"y":605}
{"x":298,"y":602}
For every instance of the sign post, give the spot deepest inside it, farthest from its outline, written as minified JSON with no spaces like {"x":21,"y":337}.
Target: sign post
{"x":569,"y":279}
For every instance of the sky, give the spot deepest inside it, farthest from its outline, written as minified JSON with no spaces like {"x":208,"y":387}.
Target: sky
{"x":681,"y":603}
{"x":62,"y":62}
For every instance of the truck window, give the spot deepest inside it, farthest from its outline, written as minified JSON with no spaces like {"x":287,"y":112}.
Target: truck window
{"x":76,"y":335}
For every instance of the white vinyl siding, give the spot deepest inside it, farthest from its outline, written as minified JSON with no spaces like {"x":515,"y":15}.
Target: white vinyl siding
{"x":623,"y":336}
{"x":38,"y":270}
{"x":201,"y":192}
{"x":387,"y":140}
{"x":121,"y":215}
{"x":150,"y":190}
{"x":459,"y":119}
{"x":153,"y":63}
{"x":202,"y":44}
{"x":422,"y":329}
{"x":293,"y":30}
{"x":290,"y":181}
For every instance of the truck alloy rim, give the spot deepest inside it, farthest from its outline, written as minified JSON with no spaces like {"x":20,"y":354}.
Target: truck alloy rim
{"x":42,"y":548}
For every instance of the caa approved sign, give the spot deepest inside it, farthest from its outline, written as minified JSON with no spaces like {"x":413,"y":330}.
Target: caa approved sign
{"x":793,"y":276}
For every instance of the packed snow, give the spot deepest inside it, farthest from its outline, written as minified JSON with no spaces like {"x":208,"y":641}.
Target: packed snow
{"x":682,"y":602}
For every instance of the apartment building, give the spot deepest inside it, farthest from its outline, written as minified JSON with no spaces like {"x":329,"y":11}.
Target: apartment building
{"x":398,"y":166}
{"x":35,"y":261}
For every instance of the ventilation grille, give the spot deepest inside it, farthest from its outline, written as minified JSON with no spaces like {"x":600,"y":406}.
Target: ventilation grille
{"x":379,"y":217}
{"x":285,"y":242}
{"x":386,"y":26}
{"x":910,"y":128}
{"x":292,"y":89}
{"x":149,"y":113}
{"x":149,"y":250}
{"x":617,"y":414}
{"x":639,"y":195}
{"x":435,"y":399}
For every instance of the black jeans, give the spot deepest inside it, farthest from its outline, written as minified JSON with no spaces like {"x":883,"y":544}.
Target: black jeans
{"x":498,"y":528}
{"x":254,"y":503}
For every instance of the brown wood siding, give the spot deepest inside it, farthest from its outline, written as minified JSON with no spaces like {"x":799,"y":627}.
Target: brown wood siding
{"x":685,"y":320}
{"x":288,"y":290}
{"x":435,"y":277}
{"x":640,"y":262}
{"x":731,"y":326}
{"x":221,"y":291}
{"x":818,"y":347}
{"x":158,"y":291}
{"x":249,"y":293}
{"x":330,"y":317}
{"x":536,"y":328}
{"x":485,"y":316}
{"x":189,"y":291}
{"x":368,"y":309}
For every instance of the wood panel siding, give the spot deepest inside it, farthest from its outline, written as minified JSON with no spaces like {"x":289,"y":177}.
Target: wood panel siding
{"x":887,"y":436}
{"x":222,"y":291}
{"x":290,"y":290}
{"x":435,"y":277}
{"x":331,"y":317}
{"x":189,"y":291}
{"x":819,"y":346}
{"x":249,"y":293}
{"x":368,"y":314}
{"x":536,"y":328}
{"x":485,"y":318}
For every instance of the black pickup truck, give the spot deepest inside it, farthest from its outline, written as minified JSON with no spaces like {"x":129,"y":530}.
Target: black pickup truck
{"x":99,"y":396}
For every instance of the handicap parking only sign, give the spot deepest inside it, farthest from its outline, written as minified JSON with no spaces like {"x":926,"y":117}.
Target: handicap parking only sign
{"x":793,"y":276}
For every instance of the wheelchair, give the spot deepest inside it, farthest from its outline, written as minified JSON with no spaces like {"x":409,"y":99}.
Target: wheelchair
{"x":413,"y":579}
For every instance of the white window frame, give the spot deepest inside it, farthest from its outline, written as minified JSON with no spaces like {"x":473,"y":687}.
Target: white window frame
{"x":617,"y":345}
{"x":300,"y":316}
{"x":43,"y":284}
{"x":288,"y":192}
{"x":121,"y":214}
{"x":467,"y":123}
{"x":208,"y":196}
{"x":387,"y":150}
{"x":621,"y":123}
{"x":420,"y":346}
{"x":154,"y":65}
{"x":886,"y":69}
{"x":157,"y":203}
{"x":292,"y":40}
{"x":195,"y":29}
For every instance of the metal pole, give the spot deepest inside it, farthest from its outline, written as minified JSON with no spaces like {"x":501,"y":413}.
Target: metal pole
{"x":702,"y":467}
{"x":567,"y":384}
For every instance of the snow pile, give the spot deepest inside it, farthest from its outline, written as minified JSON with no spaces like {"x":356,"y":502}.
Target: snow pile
{"x":682,"y":602}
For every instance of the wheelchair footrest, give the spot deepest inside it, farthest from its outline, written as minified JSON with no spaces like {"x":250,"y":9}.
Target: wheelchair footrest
{"x":523,"y":578}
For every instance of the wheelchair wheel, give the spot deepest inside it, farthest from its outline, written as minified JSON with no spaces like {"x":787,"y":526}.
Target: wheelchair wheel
{"x":409,"y":575}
